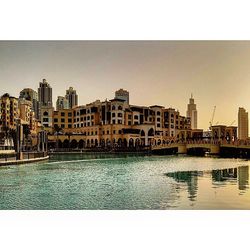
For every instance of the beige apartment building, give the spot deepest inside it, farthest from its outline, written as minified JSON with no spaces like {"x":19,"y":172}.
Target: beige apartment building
{"x":9,"y":112}
{"x":116,"y":123}
{"x":242,"y":124}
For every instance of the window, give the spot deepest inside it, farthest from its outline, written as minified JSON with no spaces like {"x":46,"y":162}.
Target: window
{"x":119,"y":114}
{"x":70,"y":114}
{"x":113,"y":121}
{"x":62,"y":120}
{"x":136,"y":117}
{"x":69,"y":126}
{"x":119,"y":107}
{"x":62,"y":126}
{"x":119,"y":121}
{"x":55,"y":120}
{"x":45,"y":113}
{"x":45,"y":119}
{"x":62,"y":114}
{"x":107,"y":132}
{"x":113,"y":114}
{"x":158,"y":125}
{"x":129,"y":123}
{"x":92,"y":117}
{"x":113,"y":107}
{"x":129,"y":117}
{"x":158,"y":113}
{"x":158,"y":119}
{"x":120,"y":131}
{"x":114,"y":132}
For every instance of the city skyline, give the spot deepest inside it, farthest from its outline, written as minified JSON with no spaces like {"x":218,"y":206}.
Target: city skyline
{"x":163,"y":73}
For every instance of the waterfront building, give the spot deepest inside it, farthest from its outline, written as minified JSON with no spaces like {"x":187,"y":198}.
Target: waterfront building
{"x":242,"y":124}
{"x":62,"y":103}
{"x":46,"y":117}
{"x":31,"y":95}
{"x":8,"y":112}
{"x":117,"y":124}
{"x":192,"y":112}
{"x":123,"y":95}
{"x":72,"y":97}
{"x":223,"y":132}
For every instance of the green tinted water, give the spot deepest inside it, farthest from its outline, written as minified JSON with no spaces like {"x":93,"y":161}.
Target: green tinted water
{"x":126,"y":182}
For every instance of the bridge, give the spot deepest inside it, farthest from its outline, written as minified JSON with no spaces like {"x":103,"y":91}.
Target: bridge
{"x":213,"y":147}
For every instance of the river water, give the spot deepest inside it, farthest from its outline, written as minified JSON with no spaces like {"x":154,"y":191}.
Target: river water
{"x":126,"y":182}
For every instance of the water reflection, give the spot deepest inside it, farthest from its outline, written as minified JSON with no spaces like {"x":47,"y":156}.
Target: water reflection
{"x":190,"y":178}
{"x":220,"y":178}
{"x":238,"y":175}
{"x":243,"y":177}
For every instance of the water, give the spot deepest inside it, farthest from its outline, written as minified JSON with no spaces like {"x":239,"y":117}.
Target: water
{"x":126,"y":182}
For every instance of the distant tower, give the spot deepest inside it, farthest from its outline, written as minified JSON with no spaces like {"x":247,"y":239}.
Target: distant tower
{"x":242,"y":124}
{"x":72,"y":97}
{"x":192,"y":112}
{"x":45,"y":94}
{"x":31,"y":95}
{"x":62,"y":103}
{"x":123,"y":95}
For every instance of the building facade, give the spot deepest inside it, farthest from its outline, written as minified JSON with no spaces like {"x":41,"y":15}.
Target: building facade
{"x":31,"y":95}
{"x":72,"y":97}
{"x":114,"y":123}
{"x":62,"y":103}
{"x":192,"y":112}
{"x":9,"y":112}
{"x":123,"y":95}
{"x":242,"y":124}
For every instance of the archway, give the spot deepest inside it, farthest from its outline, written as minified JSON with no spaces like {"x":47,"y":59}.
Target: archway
{"x":81,"y":144}
{"x":66,"y":143}
{"x":151,"y":132}
{"x":73,"y":144}
{"x":131,"y":142}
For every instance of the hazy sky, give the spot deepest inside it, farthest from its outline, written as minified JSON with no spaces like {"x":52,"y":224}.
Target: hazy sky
{"x":164,"y":73}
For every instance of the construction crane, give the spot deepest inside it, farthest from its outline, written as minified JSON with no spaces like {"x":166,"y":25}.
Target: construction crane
{"x":212,"y":119}
{"x":232,"y":123}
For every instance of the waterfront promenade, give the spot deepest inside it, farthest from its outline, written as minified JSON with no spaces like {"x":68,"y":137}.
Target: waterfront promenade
{"x":26,"y":157}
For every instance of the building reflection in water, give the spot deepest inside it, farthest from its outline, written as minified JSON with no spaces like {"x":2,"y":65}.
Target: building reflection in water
{"x":190,"y":178}
{"x":240,"y":175}
{"x":243,"y":177}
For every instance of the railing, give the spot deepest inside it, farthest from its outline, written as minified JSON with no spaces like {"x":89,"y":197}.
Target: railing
{"x":26,"y":156}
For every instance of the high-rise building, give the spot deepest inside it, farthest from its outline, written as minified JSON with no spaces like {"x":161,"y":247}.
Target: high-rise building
{"x":72,"y":97}
{"x":31,"y":95}
{"x":9,"y":112}
{"x":45,"y":94}
{"x":45,"y":104}
{"x":192,"y":112}
{"x":62,"y":103}
{"x":242,"y":124}
{"x":123,"y":95}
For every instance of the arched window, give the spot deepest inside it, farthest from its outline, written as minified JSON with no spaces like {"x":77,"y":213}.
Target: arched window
{"x":45,"y":113}
{"x":113,"y":107}
{"x":119,"y":107}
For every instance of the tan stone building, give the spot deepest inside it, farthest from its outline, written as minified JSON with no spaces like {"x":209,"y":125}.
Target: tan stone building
{"x":242,"y":124}
{"x":8,"y":112}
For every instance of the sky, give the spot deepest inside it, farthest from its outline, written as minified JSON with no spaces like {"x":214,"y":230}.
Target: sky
{"x":154,"y":72}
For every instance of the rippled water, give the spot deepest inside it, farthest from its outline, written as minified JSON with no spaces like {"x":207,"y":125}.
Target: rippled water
{"x":126,"y":182}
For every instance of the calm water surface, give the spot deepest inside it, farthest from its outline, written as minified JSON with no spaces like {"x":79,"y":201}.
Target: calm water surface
{"x":126,"y":182}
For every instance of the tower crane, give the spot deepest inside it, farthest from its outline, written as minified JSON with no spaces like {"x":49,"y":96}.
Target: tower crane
{"x":212,"y":119}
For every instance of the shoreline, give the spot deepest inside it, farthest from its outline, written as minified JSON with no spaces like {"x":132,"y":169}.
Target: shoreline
{"x":24,"y":161}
